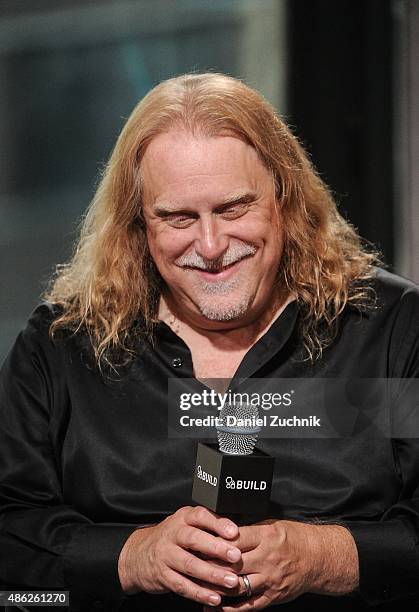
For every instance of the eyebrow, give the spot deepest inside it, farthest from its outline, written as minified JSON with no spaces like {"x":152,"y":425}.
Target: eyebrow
{"x":164,"y":210}
{"x":243,"y":198}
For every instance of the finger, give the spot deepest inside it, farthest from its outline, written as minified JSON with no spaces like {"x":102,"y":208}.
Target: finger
{"x":249,"y":538}
{"x":186,"y":588}
{"x":256,"y":602}
{"x":211,"y":546}
{"x":229,"y":566}
{"x":219,"y":589}
{"x":190,"y":565}
{"x":251,"y":562}
{"x":199,"y":516}
{"x":257,"y":584}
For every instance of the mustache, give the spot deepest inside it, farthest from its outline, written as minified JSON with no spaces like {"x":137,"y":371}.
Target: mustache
{"x":231,"y":256}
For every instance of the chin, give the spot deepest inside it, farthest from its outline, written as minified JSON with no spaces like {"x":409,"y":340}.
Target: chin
{"x":224,"y":312}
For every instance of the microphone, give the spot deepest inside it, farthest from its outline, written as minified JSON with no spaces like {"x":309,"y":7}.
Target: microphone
{"x":237,"y":429}
{"x":234,"y":478}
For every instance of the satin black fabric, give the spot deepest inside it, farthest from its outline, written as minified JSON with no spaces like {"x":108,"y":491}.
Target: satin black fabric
{"x":84,"y":459}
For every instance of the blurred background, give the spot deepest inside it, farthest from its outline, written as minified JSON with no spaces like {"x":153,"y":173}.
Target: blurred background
{"x":342,"y":73}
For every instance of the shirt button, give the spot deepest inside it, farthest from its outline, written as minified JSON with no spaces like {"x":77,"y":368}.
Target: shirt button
{"x":176,"y":362}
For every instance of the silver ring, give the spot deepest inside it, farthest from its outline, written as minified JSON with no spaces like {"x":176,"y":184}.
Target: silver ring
{"x":248,"y":586}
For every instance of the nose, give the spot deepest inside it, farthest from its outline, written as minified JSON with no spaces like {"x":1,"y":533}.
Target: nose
{"x":211,"y":242}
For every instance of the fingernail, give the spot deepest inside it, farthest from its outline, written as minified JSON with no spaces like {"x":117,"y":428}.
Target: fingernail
{"x":230,"y":580}
{"x":233,"y":554}
{"x":214,"y":600}
{"x":231,"y":530}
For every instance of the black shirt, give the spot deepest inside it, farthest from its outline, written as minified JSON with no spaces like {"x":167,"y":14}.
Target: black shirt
{"x":86,"y":459}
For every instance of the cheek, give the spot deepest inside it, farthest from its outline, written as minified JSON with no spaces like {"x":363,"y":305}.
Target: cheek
{"x":255,"y":226}
{"x":273,"y":246}
{"x":268,"y":236}
{"x":166,"y":244}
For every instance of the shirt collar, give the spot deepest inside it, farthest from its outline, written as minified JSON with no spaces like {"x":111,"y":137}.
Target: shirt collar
{"x":174,"y":350}
{"x":271,"y":343}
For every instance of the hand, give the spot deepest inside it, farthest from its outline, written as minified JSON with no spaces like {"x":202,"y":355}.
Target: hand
{"x":284,"y":559}
{"x":160,"y":558}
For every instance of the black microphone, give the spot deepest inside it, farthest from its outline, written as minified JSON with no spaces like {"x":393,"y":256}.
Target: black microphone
{"x":234,"y":478}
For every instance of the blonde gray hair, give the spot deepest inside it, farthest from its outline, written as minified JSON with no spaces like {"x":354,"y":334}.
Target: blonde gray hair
{"x":111,"y":281}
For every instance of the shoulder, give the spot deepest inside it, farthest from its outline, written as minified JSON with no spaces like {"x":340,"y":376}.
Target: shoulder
{"x":35,"y":340}
{"x":37,"y":328}
{"x":33,"y":357}
{"x":395,"y":293}
{"x":392,"y":286}
{"x":397,"y":316}
{"x":43,"y":316}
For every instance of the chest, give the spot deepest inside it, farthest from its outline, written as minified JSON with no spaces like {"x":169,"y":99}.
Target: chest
{"x":214,"y":364}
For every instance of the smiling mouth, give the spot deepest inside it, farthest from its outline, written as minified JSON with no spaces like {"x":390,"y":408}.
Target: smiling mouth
{"x":218,"y":270}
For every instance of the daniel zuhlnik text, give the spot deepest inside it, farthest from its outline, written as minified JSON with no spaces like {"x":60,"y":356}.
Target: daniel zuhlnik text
{"x":271,"y":420}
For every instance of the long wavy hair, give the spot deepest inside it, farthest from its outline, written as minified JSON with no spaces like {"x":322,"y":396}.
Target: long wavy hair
{"x":111,"y":283}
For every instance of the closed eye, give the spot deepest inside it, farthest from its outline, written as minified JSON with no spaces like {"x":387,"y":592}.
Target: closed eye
{"x":179,"y":219}
{"x":234,"y":211}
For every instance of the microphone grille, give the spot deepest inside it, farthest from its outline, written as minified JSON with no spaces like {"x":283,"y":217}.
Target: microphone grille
{"x":238,"y":433}
{"x":236,"y":444}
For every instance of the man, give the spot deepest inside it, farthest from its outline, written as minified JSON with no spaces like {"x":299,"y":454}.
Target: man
{"x":211,"y":250}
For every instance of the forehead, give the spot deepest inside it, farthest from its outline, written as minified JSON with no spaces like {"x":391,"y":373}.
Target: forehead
{"x":178,"y":163}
